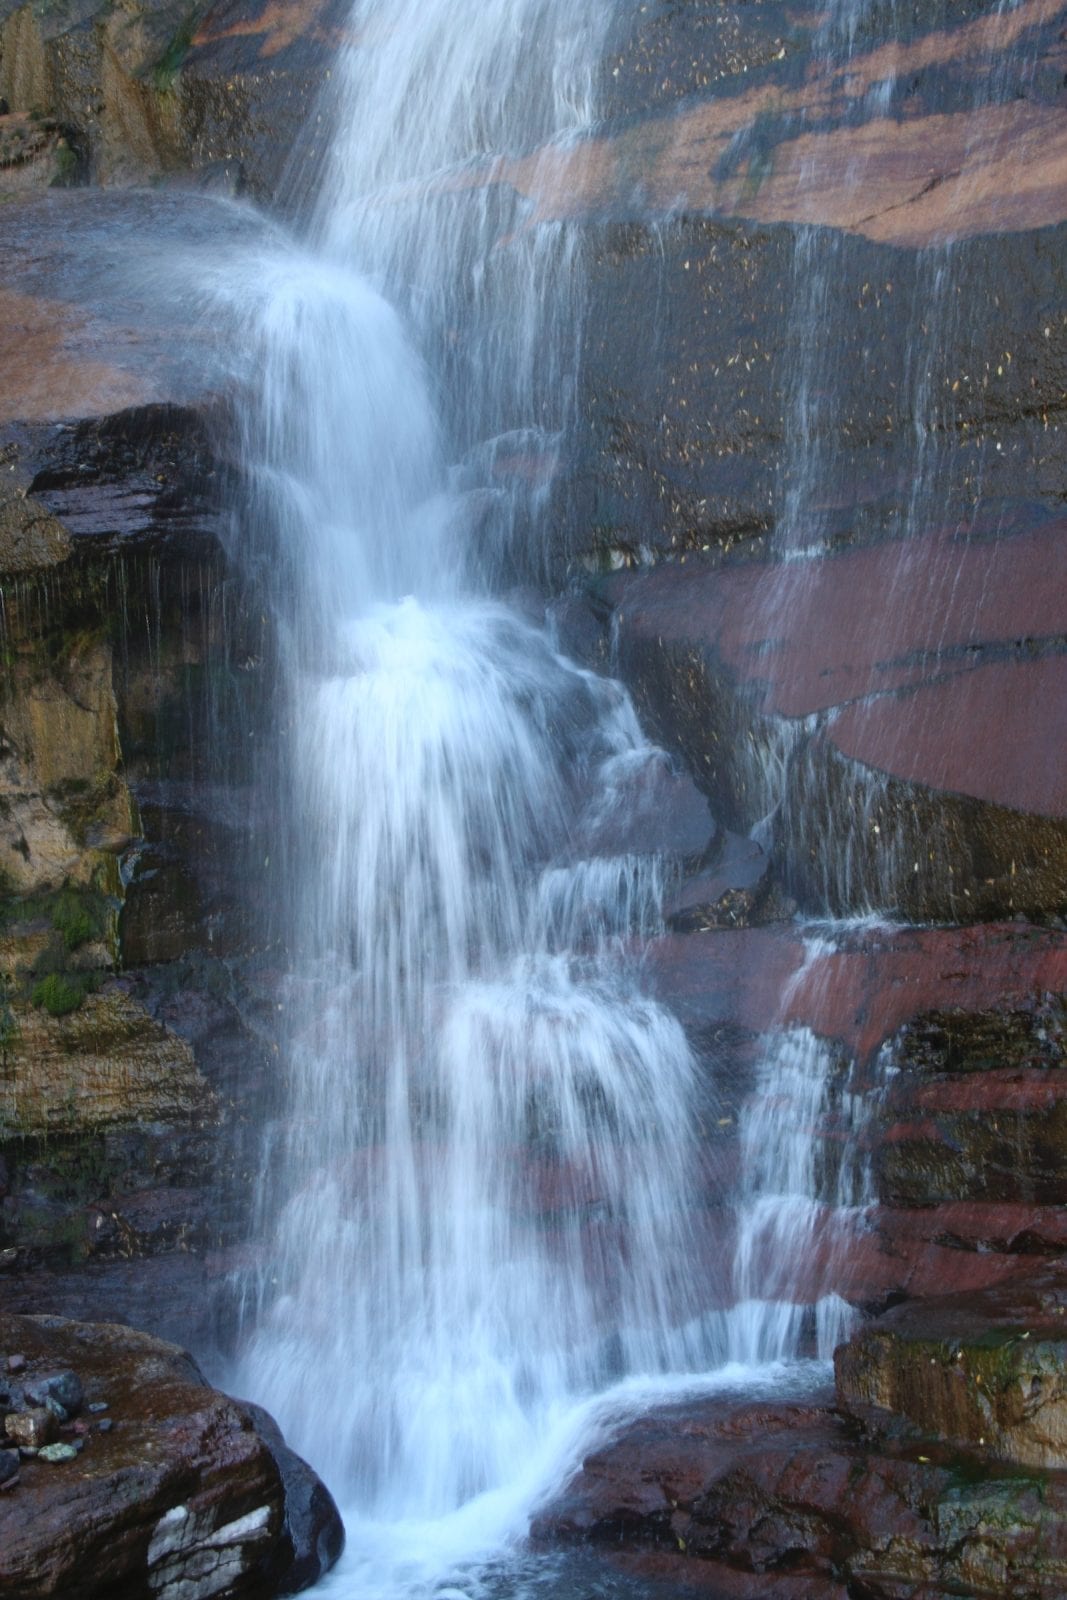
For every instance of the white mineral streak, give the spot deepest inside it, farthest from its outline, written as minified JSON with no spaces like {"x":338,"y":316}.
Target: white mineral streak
{"x":189,"y":1558}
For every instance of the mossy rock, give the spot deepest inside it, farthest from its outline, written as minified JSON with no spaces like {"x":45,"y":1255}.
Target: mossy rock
{"x":59,"y":993}
{"x":102,"y":1063}
{"x":987,"y":1371}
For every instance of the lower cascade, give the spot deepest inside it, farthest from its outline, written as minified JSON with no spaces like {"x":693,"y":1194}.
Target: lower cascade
{"x":490,"y":1150}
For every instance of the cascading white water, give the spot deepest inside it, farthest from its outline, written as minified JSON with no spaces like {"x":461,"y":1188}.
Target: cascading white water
{"x":481,"y":1196}
{"x":481,"y":1204}
{"x":465,"y":1038}
{"x":796,"y":1209}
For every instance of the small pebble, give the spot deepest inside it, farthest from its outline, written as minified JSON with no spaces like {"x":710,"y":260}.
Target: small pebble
{"x":34,"y":1427}
{"x":57,"y":1452}
{"x":16,"y":1363}
{"x":98,"y":1405}
{"x":64,"y":1388}
{"x":104,"y":1425}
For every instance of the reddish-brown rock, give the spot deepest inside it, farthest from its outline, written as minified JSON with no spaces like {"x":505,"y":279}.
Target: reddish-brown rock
{"x":182,"y":1493}
{"x":981,"y":1369}
{"x":940,"y":715}
{"x":825,"y":151}
{"x":790,"y":1496}
{"x":863,"y":990}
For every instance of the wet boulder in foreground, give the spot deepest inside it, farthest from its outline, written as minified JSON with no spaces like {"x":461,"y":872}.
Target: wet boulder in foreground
{"x":154,"y":1484}
{"x":937,"y":1470}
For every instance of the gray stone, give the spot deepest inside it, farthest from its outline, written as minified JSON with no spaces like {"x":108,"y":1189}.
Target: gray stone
{"x":55,"y":1453}
{"x":63,"y":1388}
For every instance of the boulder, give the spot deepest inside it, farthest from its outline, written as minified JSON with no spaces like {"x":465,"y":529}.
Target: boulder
{"x":985,"y":1369}
{"x":767,"y":1498}
{"x":182,"y":1491}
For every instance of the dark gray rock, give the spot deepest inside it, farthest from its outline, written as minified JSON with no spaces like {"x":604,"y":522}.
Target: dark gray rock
{"x":313,"y":1525}
{"x":62,"y":1387}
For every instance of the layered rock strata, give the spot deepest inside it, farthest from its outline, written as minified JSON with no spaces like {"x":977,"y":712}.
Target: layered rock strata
{"x":821,"y":392}
{"x":132,"y":1045}
{"x":937,"y":1470}
{"x":156,"y":1484}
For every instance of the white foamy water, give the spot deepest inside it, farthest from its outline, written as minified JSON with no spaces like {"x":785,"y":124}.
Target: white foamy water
{"x":481,"y":1206}
{"x":480,"y":1201}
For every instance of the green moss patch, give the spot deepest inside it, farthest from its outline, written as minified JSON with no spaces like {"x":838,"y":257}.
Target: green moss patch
{"x":59,"y":993}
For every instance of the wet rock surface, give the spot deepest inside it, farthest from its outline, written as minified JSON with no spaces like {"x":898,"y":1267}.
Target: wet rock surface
{"x":212,"y":96}
{"x":936,"y":723}
{"x":759,"y":113}
{"x":938,"y":1469}
{"x":181,"y":1295}
{"x":125,"y":631}
{"x":864,"y":991}
{"x":112,"y":437}
{"x":785,"y":1499}
{"x":152,"y":1482}
{"x":983,"y":1370}
{"x":904,"y":680}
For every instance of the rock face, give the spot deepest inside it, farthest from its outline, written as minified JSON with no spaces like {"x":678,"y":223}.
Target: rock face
{"x":169,"y":1488}
{"x":756,"y":1499}
{"x":104,"y":1064}
{"x":934,"y":724}
{"x":214,"y":96}
{"x":981,"y":1370}
{"x":839,"y":449}
{"x":122,"y":826}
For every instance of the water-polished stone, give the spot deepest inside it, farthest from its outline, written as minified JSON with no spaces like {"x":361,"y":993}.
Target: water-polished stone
{"x":185,"y":1494}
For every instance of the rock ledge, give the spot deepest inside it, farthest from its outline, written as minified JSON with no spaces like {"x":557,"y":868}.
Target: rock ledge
{"x":159,"y":1486}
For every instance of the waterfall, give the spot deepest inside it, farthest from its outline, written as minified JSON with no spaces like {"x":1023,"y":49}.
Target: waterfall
{"x":480,"y":1202}
{"x":841,"y":485}
{"x":482,"y":1214}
